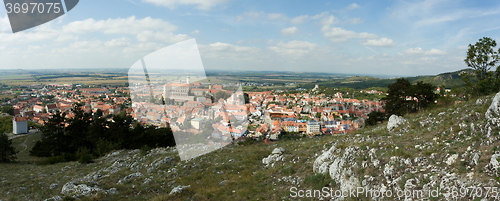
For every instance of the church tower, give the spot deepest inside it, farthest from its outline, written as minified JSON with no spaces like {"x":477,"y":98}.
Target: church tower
{"x":188,"y":80}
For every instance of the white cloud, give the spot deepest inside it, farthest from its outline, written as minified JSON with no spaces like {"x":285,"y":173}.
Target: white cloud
{"x":299,"y":19}
{"x":383,"y":42}
{"x":200,"y":4}
{"x":330,"y":20}
{"x":5,"y":24}
{"x":118,"y":42}
{"x":420,"y":51}
{"x":129,"y":25}
{"x":86,"y":46}
{"x":196,"y":32}
{"x":319,"y":16}
{"x":28,"y":37}
{"x":224,"y":29}
{"x":143,"y":48}
{"x":290,"y":31}
{"x":294,"y":48}
{"x":218,"y":46}
{"x":276,"y":16}
{"x":355,"y":20}
{"x":152,"y":36}
{"x":229,"y":52}
{"x":66,"y":38}
{"x":337,"y":34}
{"x":353,"y":6}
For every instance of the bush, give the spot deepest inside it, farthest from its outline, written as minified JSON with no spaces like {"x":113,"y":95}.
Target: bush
{"x":319,"y":181}
{"x":54,"y":160}
{"x":104,"y":146}
{"x":145,"y":150}
{"x":247,"y":141}
{"x":84,"y":156}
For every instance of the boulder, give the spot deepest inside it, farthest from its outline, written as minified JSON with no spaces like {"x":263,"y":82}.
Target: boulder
{"x":492,"y":167}
{"x":274,"y":157}
{"x":323,"y":161}
{"x":178,"y":189}
{"x":452,"y":159}
{"x":278,"y":150}
{"x":155,"y":164}
{"x":77,"y":190}
{"x":112,"y":191}
{"x":130,"y":177}
{"x":396,"y":121}
{"x":493,"y":111}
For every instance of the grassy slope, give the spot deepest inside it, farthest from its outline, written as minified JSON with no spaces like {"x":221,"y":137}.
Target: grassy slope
{"x":237,"y":173}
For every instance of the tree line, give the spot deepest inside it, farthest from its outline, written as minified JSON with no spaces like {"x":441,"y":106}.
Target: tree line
{"x":85,"y":136}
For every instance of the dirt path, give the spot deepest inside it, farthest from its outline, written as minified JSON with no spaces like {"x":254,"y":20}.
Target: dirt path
{"x":24,"y":144}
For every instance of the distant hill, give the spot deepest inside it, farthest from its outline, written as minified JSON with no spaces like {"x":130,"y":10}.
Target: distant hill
{"x":449,"y":80}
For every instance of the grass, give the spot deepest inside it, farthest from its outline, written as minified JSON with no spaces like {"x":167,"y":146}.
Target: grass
{"x":236,"y":172}
{"x":11,"y":96}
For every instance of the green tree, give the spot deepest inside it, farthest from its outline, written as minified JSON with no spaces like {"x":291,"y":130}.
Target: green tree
{"x":7,"y":150}
{"x":8,"y":109}
{"x":374,"y":117}
{"x":481,"y":57}
{"x":396,"y":99}
{"x":404,"y":97}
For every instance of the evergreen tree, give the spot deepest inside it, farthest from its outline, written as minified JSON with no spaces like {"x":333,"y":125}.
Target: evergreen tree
{"x":7,"y":151}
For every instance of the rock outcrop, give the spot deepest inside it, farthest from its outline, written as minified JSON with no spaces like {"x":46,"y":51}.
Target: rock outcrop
{"x":275,"y":156}
{"x":396,"y":121}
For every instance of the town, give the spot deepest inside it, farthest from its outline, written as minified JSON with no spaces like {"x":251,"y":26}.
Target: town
{"x":218,"y":113}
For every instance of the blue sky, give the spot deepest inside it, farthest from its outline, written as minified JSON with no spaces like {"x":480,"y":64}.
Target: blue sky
{"x":400,"y":38}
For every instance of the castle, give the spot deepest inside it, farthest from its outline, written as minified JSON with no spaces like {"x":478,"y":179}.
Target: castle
{"x":178,"y":91}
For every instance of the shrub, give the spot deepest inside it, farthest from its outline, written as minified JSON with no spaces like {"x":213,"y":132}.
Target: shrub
{"x":84,"y":156}
{"x":145,"y":150}
{"x":247,"y":141}
{"x":319,"y":181}
{"x":54,"y":160}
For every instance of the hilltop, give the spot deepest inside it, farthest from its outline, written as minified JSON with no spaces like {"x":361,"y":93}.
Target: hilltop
{"x":448,"y":79}
{"x":445,"y":147}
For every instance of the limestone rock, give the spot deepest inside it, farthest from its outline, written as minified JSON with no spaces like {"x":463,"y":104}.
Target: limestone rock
{"x":396,"y":121}
{"x":278,"y":150}
{"x":130,"y":177}
{"x":178,"y":189}
{"x":77,"y":190}
{"x":452,"y":159}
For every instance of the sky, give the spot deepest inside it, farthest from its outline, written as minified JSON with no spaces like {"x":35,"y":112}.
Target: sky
{"x":396,"y":38}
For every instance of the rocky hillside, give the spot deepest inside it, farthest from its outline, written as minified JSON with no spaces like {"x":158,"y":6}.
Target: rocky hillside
{"x":442,"y":154}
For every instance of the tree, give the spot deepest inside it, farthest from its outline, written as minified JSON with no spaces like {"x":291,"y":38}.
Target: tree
{"x":482,"y":57}
{"x":8,"y":109}
{"x":98,"y":113}
{"x":7,"y":151}
{"x":374,"y":117}
{"x":396,"y":99}
{"x":404,"y":97}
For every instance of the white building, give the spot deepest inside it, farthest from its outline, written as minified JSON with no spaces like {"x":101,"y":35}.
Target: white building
{"x":312,"y":127}
{"x":19,"y":125}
